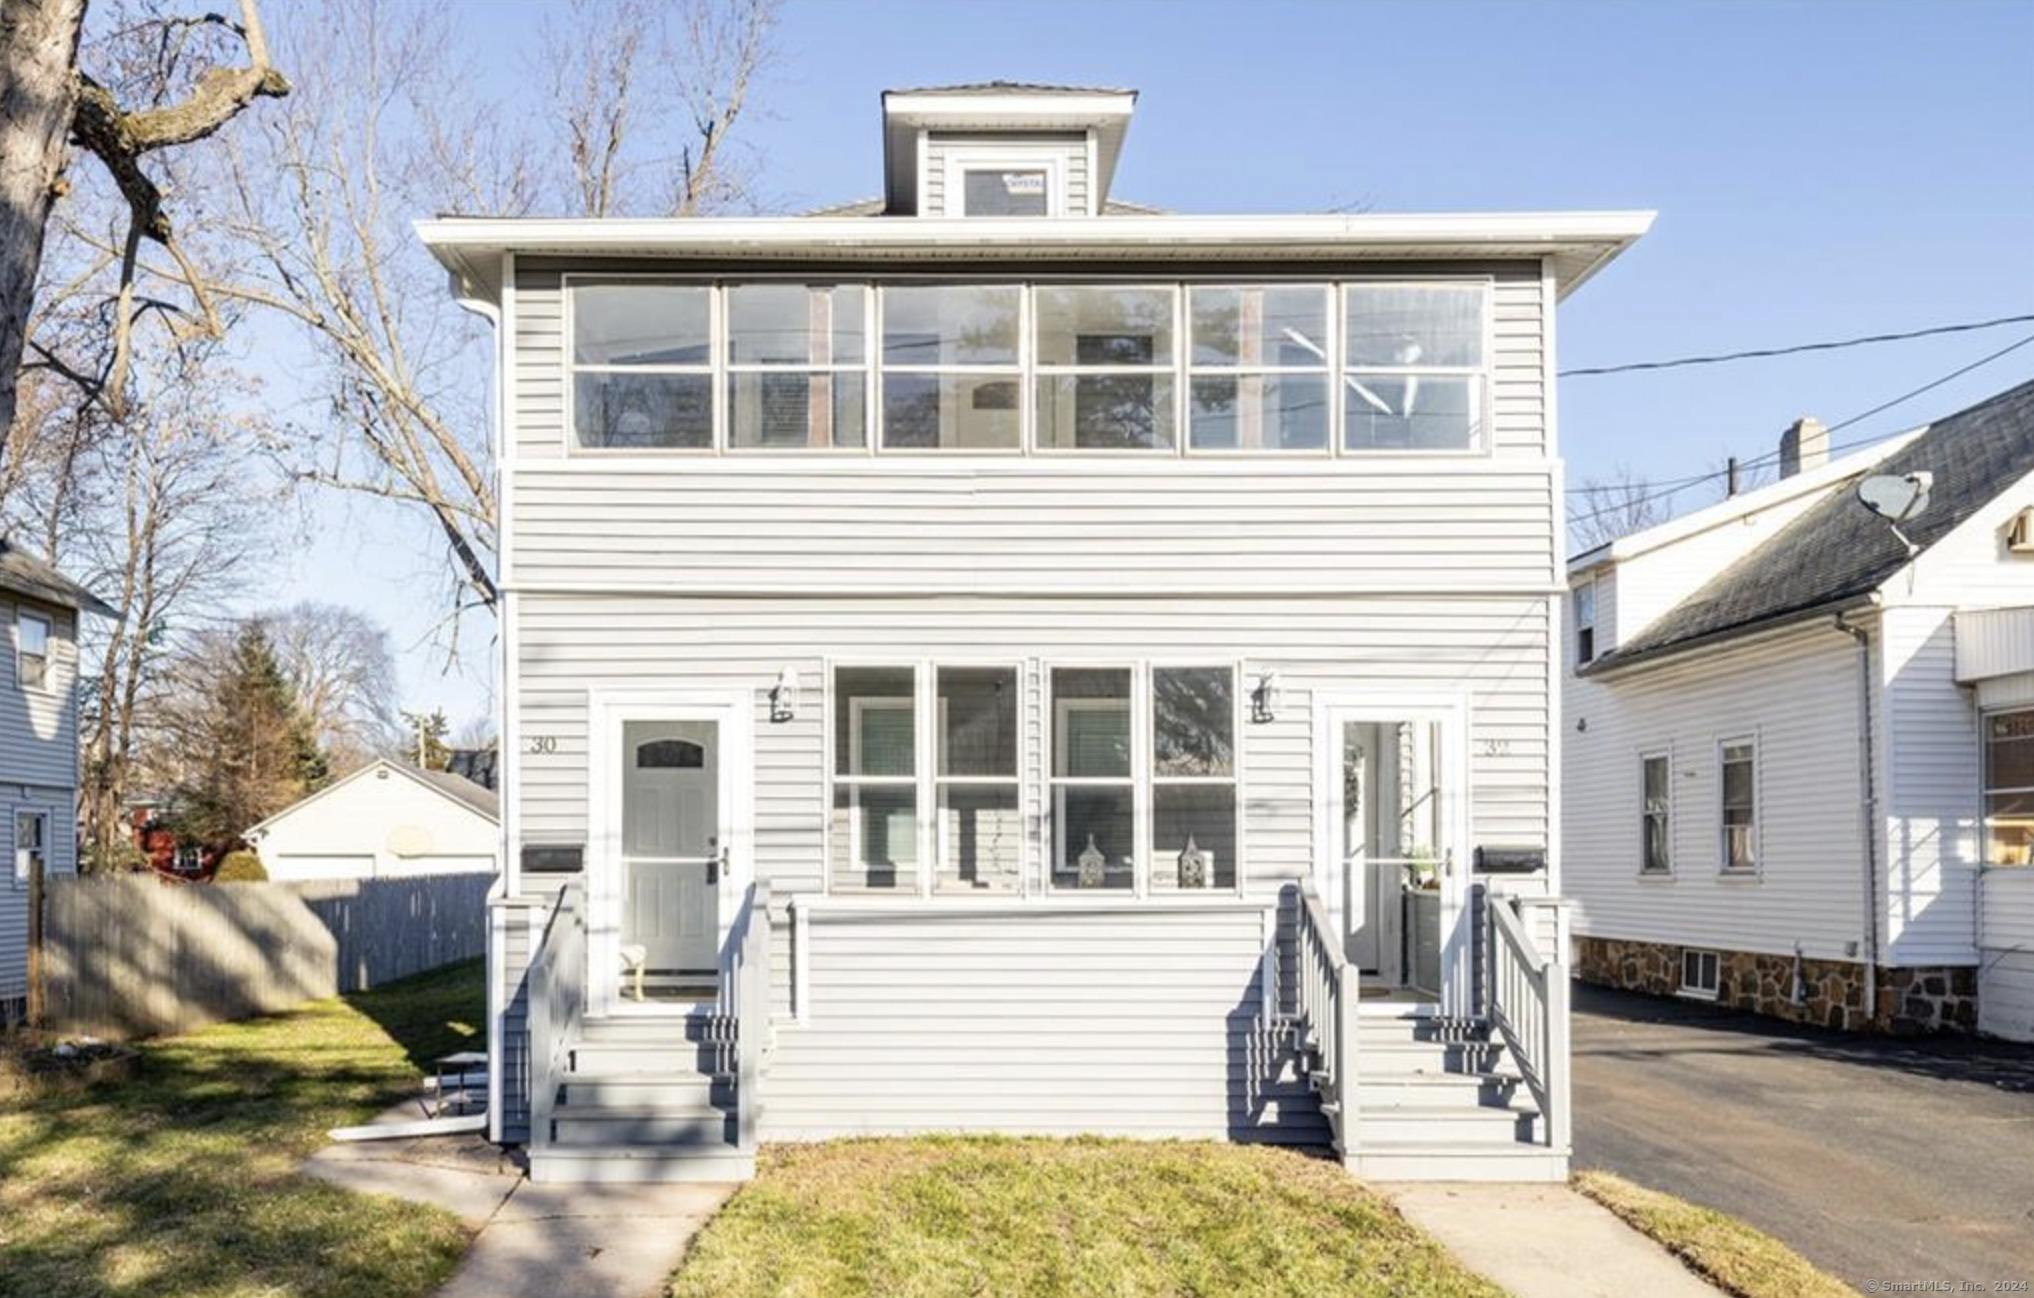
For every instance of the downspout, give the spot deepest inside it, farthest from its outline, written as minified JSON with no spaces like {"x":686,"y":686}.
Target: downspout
{"x":1868,"y":809}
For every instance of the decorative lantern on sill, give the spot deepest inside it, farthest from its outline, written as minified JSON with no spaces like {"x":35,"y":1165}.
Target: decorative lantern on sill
{"x":1194,"y":862}
{"x":1090,"y":865}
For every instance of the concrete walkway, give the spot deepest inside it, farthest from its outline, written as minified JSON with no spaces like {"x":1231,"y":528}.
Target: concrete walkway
{"x":531,"y":1241}
{"x":1545,"y":1241}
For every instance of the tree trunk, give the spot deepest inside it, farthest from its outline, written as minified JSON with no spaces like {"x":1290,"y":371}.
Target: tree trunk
{"x":38,"y":95}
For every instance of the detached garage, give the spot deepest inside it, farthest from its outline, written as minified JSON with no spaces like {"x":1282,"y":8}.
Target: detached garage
{"x":385,"y":820}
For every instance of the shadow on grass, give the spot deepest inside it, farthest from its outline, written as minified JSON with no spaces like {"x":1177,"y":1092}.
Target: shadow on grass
{"x":184,"y":1181}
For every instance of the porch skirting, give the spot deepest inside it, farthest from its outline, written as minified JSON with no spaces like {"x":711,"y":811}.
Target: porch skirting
{"x":1911,"y":1000}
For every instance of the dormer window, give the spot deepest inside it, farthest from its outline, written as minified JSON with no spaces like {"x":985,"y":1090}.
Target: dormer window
{"x":995,"y":179}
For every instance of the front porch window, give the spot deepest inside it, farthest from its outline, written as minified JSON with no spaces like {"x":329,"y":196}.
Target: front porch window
{"x":1106,"y":364}
{"x":981,"y":827}
{"x":951,"y":375}
{"x":1193,"y":778}
{"x":1094,"y":786}
{"x":2009,"y":788}
{"x":1413,"y":356}
{"x":797,"y":365}
{"x":875,"y":795}
{"x":642,"y":366}
{"x":1259,"y":368}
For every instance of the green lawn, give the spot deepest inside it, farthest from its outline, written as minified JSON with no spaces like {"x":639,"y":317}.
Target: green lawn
{"x":183,"y":1182}
{"x":1015,"y":1218}
{"x":1731,"y":1255}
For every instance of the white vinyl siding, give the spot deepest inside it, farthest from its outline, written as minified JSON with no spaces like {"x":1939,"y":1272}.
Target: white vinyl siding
{"x":1798,"y":693}
{"x":57,"y":809}
{"x":1931,"y":773}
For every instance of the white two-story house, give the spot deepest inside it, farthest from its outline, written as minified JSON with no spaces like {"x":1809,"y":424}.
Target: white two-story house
{"x":1800,"y":766}
{"x":39,"y":613}
{"x":1000,"y":658}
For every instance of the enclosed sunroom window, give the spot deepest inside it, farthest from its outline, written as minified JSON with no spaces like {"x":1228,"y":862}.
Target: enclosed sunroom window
{"x":2009,"y":788}
{"x":1094,"y":785}
{"x":1258,"y":368}
{"x":1106,"y":367}
{"x":1413,"y":366}
{"x":797,"y":365}
{"x":874,"y":829}
{"x":642,"y":366}
{"x":981,"y":827}
{"x":951,"y":378}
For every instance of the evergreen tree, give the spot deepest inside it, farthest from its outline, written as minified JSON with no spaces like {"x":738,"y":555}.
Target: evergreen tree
{"x":261,"y":748}
{"x":426,"y":746}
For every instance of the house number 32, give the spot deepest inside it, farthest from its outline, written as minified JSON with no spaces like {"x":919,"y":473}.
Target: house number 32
{"x":543,"y":744}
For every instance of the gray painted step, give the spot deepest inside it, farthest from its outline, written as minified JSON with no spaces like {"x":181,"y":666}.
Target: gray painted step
{"x":1428,"y":1090}
{"x":612,"y":1057}
{"x":643,"y":1090}
{"x":654,"y":1030}
{"x":634,"y":1164}
{"x":1403,"y":1126}
{"x":704,"y":1126}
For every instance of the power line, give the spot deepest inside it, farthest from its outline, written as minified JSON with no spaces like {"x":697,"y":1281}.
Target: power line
{"x":1796,"y":350}
{"x":1673,"y":487}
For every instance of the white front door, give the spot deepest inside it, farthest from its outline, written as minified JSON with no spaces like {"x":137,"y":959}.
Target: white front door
{"x":670,"y":920}
{"x":666,"y":829}
{"x":1390,"y":837}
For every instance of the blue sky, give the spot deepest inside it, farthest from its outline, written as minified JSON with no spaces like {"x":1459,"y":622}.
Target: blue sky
{"x":1820,"y":170}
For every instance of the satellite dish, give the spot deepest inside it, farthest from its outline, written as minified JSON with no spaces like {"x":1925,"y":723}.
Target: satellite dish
{"x":1896,"y":498}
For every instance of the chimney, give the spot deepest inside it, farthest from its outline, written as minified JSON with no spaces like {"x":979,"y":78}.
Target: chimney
{"x":1805,"y":445}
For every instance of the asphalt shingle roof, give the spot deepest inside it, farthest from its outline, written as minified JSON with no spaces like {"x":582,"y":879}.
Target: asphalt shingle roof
{"x":26,"y":574}
{"x":1839,"y":551}
{"x":461,"y":789}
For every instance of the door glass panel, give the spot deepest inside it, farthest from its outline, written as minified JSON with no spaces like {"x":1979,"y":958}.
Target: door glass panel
{"x":670,"y":903}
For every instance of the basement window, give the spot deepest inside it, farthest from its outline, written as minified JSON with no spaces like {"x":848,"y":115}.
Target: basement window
{"x":1699,"y":974}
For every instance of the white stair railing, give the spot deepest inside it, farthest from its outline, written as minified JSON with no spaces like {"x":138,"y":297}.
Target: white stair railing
{"x":557,"y":999}
{"x":1327,"y":999}
{"x":1526,"y":997}
{"x":749,"y":1003}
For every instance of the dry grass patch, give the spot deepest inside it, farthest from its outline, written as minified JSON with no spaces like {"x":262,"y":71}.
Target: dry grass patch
{"x":182,"y":1182}
{"x":1721,"y":1249}
{"x":1016,"y":1217}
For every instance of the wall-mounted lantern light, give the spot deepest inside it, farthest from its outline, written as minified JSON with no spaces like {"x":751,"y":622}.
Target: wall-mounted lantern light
{"x":784,"y":695}
{"x":1265,"y":697}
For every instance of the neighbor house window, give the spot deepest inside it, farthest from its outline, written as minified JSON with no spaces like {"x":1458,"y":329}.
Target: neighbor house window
{"x":1105,"y":368}
{"x":1585,"y":622}
{"x":1413,"y":367}
{"x":951,"y":372}
{"x":797,"y":365}
{"x":2009,"y":788}
{"x":31,"y":844}
{"x":1655,"y":815}
{"x":1740,"y":805}
{"x":642,"y":366}
{"x":1006,"y":191}
{"x":981,"y":827}
{"x":1094,"y":786}
{"x":31,"y":650}
{"x":1699,"y":974}
{"x":1258,"y":368}
{"x":874,"y":827}
{"x":1193,"y":777}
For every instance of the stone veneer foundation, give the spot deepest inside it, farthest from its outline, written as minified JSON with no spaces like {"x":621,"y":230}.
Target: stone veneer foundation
{"x":1911,"y":1001}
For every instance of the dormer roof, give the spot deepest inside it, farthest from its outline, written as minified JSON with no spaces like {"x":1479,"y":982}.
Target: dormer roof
{"x":998,"y":107}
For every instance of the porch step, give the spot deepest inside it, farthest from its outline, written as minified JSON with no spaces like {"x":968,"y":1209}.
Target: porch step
{"x":1426,"y":1090}
{"x":1473,"y":1162}
{"x":693,"y":1126}
{"x":640,"y":1164}
{"x":1421,"y":1125}
{"x":583,"y":1088}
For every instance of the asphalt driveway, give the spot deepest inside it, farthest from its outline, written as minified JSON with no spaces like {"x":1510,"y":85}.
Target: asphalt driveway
{"x":1879,"y":1160}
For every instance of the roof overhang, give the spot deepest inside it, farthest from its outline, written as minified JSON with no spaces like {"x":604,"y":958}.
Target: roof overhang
{"x":1835,"y":608}
{"x":908,"y":112}
{"x":1575,"y":245}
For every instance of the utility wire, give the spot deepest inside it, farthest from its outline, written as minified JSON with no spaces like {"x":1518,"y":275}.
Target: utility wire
{"x":1662,"y":490}
{"x":1797,"y":349}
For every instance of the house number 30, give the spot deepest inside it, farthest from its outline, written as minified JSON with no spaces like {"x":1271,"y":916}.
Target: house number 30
{"x":543,"y":744}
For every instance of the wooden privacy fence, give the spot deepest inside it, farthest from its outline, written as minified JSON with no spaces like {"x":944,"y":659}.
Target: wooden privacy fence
{"x":130,"y":956}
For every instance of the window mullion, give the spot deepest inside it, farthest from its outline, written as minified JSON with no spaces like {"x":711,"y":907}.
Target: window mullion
{"x":926,"y":710}
{"x":1140,"y":773}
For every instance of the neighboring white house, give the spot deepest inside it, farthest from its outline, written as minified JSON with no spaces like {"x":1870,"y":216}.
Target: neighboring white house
{"x":1018,"y":661}
{"x":39,"y":613}
{"x":1800,"y":772}
{"x":382,"y":821}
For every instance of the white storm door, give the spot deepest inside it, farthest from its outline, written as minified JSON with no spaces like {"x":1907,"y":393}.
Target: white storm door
{"x":671,"y":846}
